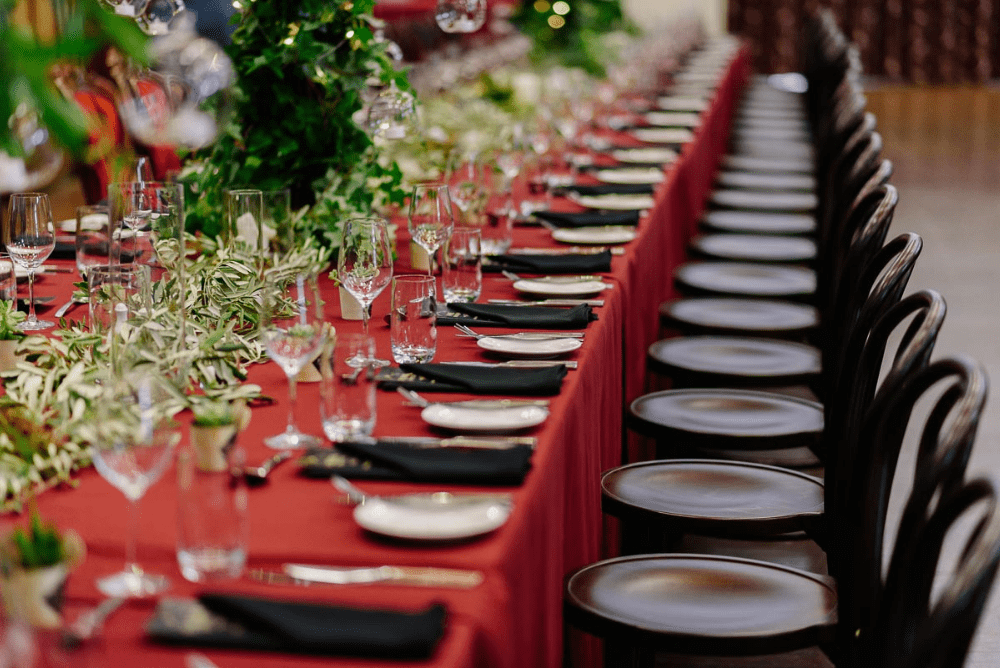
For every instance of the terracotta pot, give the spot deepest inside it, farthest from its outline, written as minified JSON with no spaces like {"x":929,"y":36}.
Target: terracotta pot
{"x":350,"y":309}
{"x":8,"y":360}
{"x":210,"y":445}
{"x":35,"y":596}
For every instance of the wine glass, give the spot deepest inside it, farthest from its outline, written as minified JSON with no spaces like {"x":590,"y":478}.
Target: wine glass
{"x":92,"y":241}
{"x":133,"y":445}
{"x":30,"y":240}
{"x":430,"y":219}
{"x":364,"y":265}
{"x":291,"y":327}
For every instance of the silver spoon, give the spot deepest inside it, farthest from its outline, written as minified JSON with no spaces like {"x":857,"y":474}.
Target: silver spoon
{"x":89,"y":623}
{"x":257,"y":475}
{"x":421,"y":402}
{"x":424,"y":500}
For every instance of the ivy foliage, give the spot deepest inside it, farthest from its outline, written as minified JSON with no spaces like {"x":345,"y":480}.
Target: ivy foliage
{"x":301,"y":68}
{"x":568,"y":31}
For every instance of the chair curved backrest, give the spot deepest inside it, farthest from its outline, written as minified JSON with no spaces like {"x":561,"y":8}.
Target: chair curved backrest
{"x":858,"y":521}
{"x":913,"y":631}
{"x":858,"y":382}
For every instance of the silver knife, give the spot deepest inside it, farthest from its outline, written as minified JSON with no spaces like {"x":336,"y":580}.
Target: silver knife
{"x":414,"y":576}
{"x":549,"y":302}
{"x":572,"y":250}
{"x":483,"y":442}
{"x":517,"y":364}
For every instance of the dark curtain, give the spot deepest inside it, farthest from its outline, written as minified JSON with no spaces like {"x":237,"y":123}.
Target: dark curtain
{"x":939,"y":41}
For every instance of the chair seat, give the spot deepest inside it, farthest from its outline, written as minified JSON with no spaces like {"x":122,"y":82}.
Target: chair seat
{"x":700,"y":603}
{"x":751,"y":124}
{"x":720,"y":360}
{"x":697,"y":495}
{"x":755,"y":248}
{"x":752,"y":163}
{"x":766,"y":181}
{"x":746,"y":279}
{"x":757,"y":222}
{"x":755,"y":316}
{"x":730,"y":198}
{"x":781,"y":134}
{"x":771,"y":149}
{"x":770,"y":112}
{"x":727,"y":418}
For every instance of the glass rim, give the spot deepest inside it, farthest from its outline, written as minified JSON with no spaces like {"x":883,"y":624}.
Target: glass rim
{"x":413,"y":278}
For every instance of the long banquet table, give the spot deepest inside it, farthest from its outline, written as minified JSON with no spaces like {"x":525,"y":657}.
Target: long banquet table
{"x":514,"y":618}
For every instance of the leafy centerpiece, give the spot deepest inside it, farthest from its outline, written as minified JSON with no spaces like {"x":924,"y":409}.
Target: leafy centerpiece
{"x":301,"y":69}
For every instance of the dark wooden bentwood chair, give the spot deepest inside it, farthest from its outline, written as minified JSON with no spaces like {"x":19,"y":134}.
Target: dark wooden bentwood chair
{"x":716,"y":605}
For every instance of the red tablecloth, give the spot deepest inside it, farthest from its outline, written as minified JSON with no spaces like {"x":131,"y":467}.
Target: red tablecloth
{"x":514,"y":618}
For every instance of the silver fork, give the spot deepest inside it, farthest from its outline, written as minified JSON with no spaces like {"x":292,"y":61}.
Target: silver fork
{"x":525,"y":336}
{"x":553,"y":279}
{"x":421,"y":402}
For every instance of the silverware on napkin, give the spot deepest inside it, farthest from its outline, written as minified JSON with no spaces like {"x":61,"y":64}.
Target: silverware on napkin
{"x":413,"y":576}
{"x":548,"y":302}
{"x":480,"y":442}
{"x":517,"y":364}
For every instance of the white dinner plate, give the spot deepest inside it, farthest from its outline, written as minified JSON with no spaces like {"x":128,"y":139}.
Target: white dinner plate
{"x":431,"y":520}
{"x":645,"y":155}
{"x":556,"y":286}
{"x":94,"y":221}
{"x":673,"y":119}
{"x":663,"y":135}
{"x":484,"y":420}
{"x":615,"y":201}
{"x":682,"y":103}
{"x":630,"y":175}
{"x":540,"y":349}
{"x":595,"y":236}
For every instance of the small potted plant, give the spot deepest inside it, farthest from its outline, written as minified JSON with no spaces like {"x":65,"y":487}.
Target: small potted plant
{"x":10,"y":335}
{"x":34,"y":565}
{"x":213,"y":433}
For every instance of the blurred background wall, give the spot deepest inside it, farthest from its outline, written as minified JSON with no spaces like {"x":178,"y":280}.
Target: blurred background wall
{"x":937,"y":41}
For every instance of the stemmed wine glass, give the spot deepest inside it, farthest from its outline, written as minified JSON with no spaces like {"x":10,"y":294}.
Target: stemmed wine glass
{"x":291,"y":327}
{"x":30,"y":239}
{"x":134,"y":445}
{"x":430,"y":219}
{"x":364,"y":265}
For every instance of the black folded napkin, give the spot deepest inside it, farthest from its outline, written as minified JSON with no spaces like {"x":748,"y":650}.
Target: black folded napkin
{"x":243,"y":622}
{"x":571,"y":263}
{"x":395,"y":461}
{"x":614,"y":189}
{"x":544,"y":381}
{"x":589,"y":218}
{"x":63,"y":251}
{"x":497,"y":315}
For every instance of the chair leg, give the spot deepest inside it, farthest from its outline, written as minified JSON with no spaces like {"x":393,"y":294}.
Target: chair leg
{"x":620,"y":654}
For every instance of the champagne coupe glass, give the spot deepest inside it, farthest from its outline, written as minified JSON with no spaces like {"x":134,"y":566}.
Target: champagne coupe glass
{"x":133,"y":445}
{"x":430,"y":219}
{"x":30,"y":239}
{"x":291,"y":327}
{"x":364,"y":265}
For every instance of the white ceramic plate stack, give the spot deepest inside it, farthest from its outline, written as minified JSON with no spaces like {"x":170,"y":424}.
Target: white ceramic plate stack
{"x":663,"y":135}
{"x":595,"y":236}
{"x":631,"y":175}
{"x":527,"y":349}
{"x":615,"y":201}
{"x":450,"y":518}
{"x":561,"y":286}
{"x":673,"y":119}
{"x":484,"y":420}
{"x":645,"y":155}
